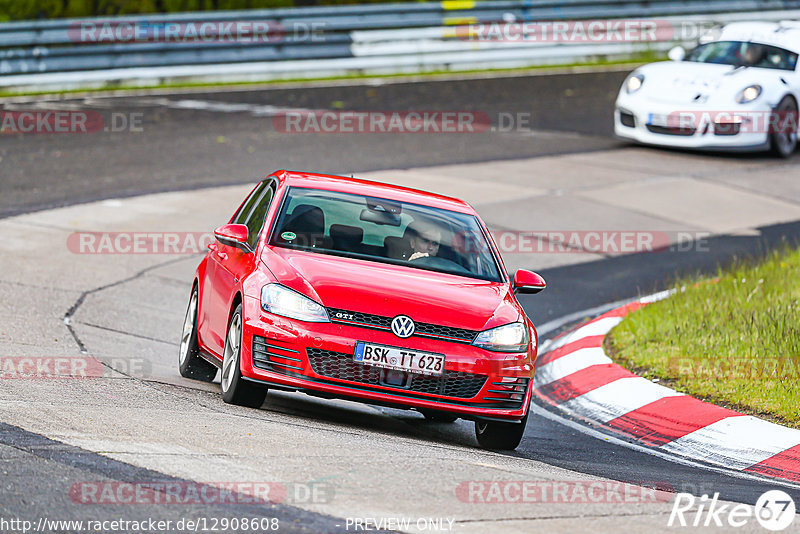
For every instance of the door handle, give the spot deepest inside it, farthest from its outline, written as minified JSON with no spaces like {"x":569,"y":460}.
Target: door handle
{"x":222,"y":255}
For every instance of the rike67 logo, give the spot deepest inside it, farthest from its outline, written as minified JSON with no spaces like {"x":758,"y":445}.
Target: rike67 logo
{"x":774,"y":510}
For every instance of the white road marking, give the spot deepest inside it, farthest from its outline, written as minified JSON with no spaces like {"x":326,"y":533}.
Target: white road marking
{"x":555,"y":324}
{"x":257,"y":110}
{"x":736,"y":442}
{"x":571,"y":363}
{"x":668,"y":456}
{"x":617,"y":398}
{"x":595,"y":328}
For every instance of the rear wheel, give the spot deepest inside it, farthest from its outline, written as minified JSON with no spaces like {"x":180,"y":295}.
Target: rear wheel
{"x":235,"y":390}
{"x":439,"y":417}
{"x":784,"y":138}
{"x":500,"y":436}
{"x":190,"y":364}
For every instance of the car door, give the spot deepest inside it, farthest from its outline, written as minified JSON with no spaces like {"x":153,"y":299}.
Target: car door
{"x":215,"y":296}
{"x":232,"y":263}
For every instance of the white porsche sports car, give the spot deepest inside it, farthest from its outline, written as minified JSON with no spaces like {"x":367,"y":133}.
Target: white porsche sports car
{"x":738,"y":91}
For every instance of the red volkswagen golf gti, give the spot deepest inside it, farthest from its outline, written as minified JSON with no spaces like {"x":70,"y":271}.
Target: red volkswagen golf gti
{"x":339,"y":287}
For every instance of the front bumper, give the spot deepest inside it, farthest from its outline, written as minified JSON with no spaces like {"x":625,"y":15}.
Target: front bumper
{"x":317,"y":358}
{"x":633,"y":121}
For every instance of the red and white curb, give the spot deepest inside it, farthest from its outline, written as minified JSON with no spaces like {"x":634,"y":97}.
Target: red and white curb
{"x":576,"y":376}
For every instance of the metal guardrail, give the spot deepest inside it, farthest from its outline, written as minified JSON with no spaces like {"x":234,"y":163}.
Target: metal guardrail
{"x":416,"y":31}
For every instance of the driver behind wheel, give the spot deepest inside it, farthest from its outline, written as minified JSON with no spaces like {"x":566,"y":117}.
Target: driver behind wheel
{"x":754,"y":54}
{"x":424,"y":239}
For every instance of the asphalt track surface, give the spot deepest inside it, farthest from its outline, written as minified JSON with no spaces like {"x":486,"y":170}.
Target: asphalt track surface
{"x":190,"y":148}
{"x":180,"y":149}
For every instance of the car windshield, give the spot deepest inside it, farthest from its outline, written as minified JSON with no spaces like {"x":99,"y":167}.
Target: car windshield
{"x":744,"y":54}
{"x":386,"y":231}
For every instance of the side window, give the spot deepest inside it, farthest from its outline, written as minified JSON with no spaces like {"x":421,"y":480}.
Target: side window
{"x":254,"y":211}
{"x":256,"y":219}
{"x":243,"y":213}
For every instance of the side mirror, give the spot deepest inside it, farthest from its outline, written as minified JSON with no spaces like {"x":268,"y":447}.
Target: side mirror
{"x":528,"y":282}
{"x":234,"y":235}
{"x":677,"y":53}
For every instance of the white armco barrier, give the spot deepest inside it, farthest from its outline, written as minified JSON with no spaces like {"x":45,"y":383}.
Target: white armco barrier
{"x":503,"y":44}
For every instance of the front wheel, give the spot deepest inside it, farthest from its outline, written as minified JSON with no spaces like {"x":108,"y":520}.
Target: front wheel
{"x":783,"y":137}
{"x":190,"y":364}
{"x":235,"y":390}
{"x":500,"y":436}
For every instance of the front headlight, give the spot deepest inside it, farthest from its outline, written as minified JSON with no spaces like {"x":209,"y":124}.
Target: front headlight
{"x":512,"y":337}
{"x":634,"y":83}
{"x":281,"y":300}
{"x":749,"y":94}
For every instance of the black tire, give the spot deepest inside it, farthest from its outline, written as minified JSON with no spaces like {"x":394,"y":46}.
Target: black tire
{"x":190,"y":364}
{"x":500,"y":436}
{"x":235,"y":390}
{"x":783,"y":142}
{"x":439,"y":417}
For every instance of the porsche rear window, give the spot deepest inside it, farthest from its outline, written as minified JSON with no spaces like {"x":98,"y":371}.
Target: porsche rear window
{"x":386,"y":231}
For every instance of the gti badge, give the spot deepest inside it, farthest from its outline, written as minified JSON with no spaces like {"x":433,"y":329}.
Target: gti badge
{"x":403,"y":326}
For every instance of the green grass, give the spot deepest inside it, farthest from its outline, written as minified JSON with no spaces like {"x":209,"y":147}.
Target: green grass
{"x":433,"y":74}
{"x":734,"y":341}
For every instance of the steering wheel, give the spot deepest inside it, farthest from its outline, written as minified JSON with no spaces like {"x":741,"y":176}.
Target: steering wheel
{"x":434,"y":262}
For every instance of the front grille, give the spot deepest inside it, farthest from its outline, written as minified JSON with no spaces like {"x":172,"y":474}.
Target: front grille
{"x":270,"y":356}
{"x":339,"y":365}
{"x":507,"y":392}
{"x":382,"y":322}
{"x":724,"y":129}
{"x":667,"y":130}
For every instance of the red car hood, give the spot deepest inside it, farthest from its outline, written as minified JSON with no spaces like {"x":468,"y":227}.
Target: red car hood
{"x":389,"y":290}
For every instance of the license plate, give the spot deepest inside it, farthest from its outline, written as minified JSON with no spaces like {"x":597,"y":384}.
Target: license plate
{"x":412,"y":361}
{"x":659,"y":119}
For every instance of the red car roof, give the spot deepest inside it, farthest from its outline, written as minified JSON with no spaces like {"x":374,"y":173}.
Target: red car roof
{"x":346,"y":184}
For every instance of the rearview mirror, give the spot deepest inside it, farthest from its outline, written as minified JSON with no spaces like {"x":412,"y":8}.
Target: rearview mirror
{"x":528,"y":282}
{"x":677,"y":53}
{"x":381,"y":217}
{"x":234,"y":235}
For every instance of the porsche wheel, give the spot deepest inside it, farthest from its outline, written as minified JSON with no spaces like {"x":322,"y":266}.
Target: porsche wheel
{"x":784,"y":140}
{"x":500,"y":436}
{"x":235,"y":390}
{"x":190,"y":364}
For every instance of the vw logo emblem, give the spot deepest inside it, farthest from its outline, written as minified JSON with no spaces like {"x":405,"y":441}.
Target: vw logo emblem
{"x":403,"y":326}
